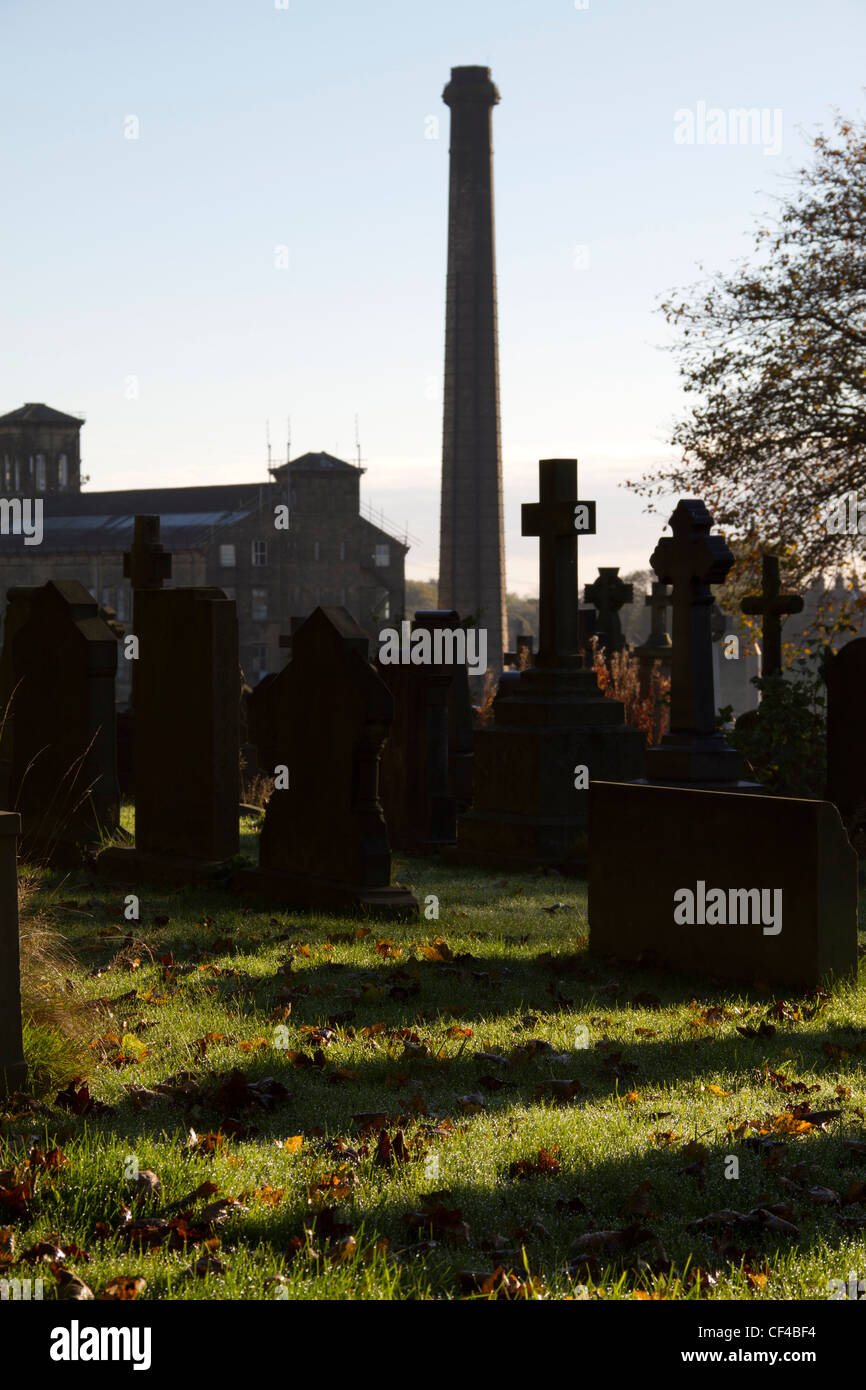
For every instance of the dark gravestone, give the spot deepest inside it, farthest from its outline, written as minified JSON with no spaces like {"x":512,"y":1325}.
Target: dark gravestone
{"x":324,"y":718}
{"x":186,"y":712}
{"x":657,"y":646}
{"x":729,"y":886}
{"x":64,"y":768}
{"x":772,"y":605}
{"x":846,"y":731}
{"x":528,"y":809}
{"x":607,"y":594}
{"x":691,"y":560}
{"x":13,"y":1071}
{"x":415,"y":786}
{"x":16,"y":615}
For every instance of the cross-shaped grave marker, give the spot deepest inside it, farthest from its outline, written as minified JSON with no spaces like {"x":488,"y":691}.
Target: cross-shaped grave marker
{"x":658,"y":601}
{"x":146,"y":564}
{"x":691,"y":560}
{"x":607,"y":594}
{"x":558,"y":519}
{"x":772,"y":605}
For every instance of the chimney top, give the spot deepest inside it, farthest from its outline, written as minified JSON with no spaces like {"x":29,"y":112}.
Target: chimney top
{"x":471,"y":84}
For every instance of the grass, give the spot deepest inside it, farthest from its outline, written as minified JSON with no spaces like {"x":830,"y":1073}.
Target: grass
{"x":457,"y":1046}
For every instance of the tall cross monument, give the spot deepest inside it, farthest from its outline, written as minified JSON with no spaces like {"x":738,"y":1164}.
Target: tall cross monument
{"x":471,"y":544}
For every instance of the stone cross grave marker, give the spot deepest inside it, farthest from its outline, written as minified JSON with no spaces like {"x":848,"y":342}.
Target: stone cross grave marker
{"x":13,"y":1071}
{"x":552,"y":727}
{"x":64,"y":748}
{"x":607,"y":594}
{"x":657,"y":646}
{"x":691,"y":560}
{"x":320,"y":724}
{"x":186,"y":721}
{"x":558,"y":519}
{"x":772,"y":605}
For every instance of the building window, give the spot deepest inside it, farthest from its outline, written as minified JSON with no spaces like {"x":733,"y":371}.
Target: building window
{"x":107,"y":600}
{"x":228,"y":557}
{"x":121,"y":604}
{"x":260,"y":662}
{"x":17,"y":476}
{"x":382,"y":556}
{"x":259,"y":606}
{"x":41,"y":478}
{"x":260,"y":554}
{"x":342,"y":550}
{"x":62,"y":472}
{"x":317,"y":551}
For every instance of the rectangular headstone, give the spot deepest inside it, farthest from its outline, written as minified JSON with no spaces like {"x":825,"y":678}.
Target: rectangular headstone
{"x":415,"y":779}
{"x":736,"y":855}
{"x":320,"y":726}
{"x":846,"y":732}
{"x":64,"y":761}
{"x":13,"y":1071}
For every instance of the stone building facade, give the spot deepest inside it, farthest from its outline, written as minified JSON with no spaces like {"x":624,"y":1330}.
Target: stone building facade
{"x":233,"y":536}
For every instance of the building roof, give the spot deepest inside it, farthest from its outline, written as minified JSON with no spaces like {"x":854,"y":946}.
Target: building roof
{"x":35,"y":413}
{"x":305,"y":463}
{"x":158,"y":501}
{"x":106,"y":534}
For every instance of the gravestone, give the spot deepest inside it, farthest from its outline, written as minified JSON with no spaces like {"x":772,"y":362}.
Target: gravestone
{"x":691,"y":560}
{"x":320,"y":724}
{"x":415,"y":786}
{"x":17,"y":612}
{"x":772,"y":605}
{"x":845,"y":675}
{"x":186,"y":717}
{"x":607,"y":594}
{"x":64,"y":764}
{"x":13,"y":1070}
{"x":731,"y":884}
{"x":552,"y":728}
{"x":723,"y":885}
{"x":657,"y":646}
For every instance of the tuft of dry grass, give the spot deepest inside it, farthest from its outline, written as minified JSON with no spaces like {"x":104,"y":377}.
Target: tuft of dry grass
{"x":55,"y":1017}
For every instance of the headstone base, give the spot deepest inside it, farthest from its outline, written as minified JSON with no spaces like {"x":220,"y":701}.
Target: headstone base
{"x":137,"y":866}
{"x":527,"y":811}
{"x":520,"y":843}
{"x":318,"y":894}
{"x":704,"y":841}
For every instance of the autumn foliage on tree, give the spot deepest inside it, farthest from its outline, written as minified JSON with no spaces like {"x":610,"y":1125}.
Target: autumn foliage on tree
{"x":776,"y":355}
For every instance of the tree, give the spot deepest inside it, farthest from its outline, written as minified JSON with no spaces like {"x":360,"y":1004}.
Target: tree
{"x":776,"y":351}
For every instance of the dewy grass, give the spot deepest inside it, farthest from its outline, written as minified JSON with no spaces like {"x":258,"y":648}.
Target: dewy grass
{"x":573,"y":1124}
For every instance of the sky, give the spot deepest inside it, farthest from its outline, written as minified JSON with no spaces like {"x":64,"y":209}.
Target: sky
{"x":219,"y":215}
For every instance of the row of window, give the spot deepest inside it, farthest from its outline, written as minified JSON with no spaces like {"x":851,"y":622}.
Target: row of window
{"x":36,"y":473}
{"x":228,"y":555}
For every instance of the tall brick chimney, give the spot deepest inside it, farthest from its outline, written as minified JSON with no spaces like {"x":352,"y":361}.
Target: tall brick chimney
{"x":471,"y":545}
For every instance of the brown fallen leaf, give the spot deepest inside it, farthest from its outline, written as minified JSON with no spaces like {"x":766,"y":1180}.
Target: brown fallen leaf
{"x":123,"y":1289}
{"x":70,"y":1287}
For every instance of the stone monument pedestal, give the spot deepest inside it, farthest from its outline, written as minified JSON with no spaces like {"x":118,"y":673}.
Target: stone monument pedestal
{"x":527,"y":810}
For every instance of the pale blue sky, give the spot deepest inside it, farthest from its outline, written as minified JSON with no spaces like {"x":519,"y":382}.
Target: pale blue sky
{"x":304,"y":127}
